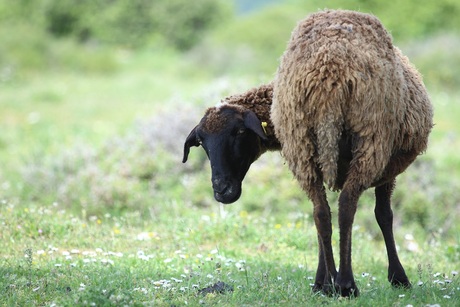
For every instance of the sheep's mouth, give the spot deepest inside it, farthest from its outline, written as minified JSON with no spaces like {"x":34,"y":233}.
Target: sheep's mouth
{"x":228,"y":195}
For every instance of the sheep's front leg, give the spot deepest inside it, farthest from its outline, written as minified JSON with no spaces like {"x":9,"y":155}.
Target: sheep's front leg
{"x":348,"y":200}
{"x":384,"y":215}
{"x":326,"y":271}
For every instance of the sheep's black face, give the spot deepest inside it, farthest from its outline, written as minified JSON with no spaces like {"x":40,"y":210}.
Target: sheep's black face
{"x":231,"y":148}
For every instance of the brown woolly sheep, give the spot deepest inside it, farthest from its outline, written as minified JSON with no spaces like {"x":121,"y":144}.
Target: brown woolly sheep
{"x":348,"y":109}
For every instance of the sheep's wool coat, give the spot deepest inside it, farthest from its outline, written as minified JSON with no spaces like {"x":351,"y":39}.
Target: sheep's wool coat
{"x":341,"y":74}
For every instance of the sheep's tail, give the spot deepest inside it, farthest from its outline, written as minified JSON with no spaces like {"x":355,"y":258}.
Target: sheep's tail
{"x":328,"y":126}
{"x":328,"y":133}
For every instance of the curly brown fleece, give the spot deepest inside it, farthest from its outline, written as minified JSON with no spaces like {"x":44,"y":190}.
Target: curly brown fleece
{"x":341,"y":74}
{"x":258,"y":100}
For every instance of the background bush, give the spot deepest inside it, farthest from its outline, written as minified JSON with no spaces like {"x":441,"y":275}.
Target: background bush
{"x":121,"y":22}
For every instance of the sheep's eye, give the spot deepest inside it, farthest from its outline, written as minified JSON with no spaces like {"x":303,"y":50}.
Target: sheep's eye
{"x":200,"y":142}
{"x":241,"y":131}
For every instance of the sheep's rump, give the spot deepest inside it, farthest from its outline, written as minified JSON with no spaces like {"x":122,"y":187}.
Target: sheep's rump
{"x":341,"y":74}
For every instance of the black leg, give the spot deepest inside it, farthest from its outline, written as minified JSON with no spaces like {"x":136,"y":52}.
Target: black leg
{"x":348,"y":200}
{"x":320,"y":277}
{"x":384,"y":215}
{"x":326,"y":271}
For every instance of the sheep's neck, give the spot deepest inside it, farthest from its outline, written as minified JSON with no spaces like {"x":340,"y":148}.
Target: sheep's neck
{"x":272,"y":142}
{"x":259,"y":100}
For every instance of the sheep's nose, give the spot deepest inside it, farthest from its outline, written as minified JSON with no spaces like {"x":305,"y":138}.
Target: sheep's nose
{"x":219,"y":185}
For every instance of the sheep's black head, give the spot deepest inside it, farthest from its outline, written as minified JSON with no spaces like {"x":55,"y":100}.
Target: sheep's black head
{"x":231,"y":137}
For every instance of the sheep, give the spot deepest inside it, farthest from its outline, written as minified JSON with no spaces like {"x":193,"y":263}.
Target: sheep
{"x":348,"y":110}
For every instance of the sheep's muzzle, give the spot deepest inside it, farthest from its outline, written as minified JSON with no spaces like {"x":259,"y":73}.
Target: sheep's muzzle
{"x":226,"y":191}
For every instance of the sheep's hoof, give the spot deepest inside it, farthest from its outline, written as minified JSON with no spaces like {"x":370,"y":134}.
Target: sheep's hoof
{"x":401,"y":283}
{"x":336,"y":290}
{"x":351,"y":291}
{"x":317,"y":287}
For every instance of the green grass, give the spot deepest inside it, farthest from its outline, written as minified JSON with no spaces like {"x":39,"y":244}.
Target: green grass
{"x":54,"y":257}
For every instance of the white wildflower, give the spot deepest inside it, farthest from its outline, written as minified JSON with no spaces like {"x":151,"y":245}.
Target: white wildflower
{"x":412,"y":246}
{"x":143,"y":236}
{"x":107,"y":261}
{"x":409,"y":237}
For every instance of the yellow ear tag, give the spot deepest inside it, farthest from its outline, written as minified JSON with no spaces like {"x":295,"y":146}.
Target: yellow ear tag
{"x":264,"y":124}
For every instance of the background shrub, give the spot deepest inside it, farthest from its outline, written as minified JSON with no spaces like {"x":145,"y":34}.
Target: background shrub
{"x":121,"y":22}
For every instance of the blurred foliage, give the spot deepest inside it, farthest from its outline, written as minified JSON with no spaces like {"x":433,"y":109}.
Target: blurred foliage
{"x":80,"y":35}
{"x":405,"y":20}
{"x":179,"y":23}
{"x":134,"y":168}
{"x":252,"y":44}
{"x":438,"y":58}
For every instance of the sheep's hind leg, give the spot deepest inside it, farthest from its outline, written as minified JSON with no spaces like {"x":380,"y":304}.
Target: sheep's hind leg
{"x":348,"y":200}
{"x":326,"y":271}
{"x":384,"y":215}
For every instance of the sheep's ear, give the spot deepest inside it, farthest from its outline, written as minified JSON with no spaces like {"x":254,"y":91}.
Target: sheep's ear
{"x":189,"y":142}
{"x":251,"y":121}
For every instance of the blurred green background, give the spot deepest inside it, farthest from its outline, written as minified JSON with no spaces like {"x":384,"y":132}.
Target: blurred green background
{"x":97,"y":96}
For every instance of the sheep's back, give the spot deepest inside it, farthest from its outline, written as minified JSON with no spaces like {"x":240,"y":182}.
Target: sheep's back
{"x":339,"y":72}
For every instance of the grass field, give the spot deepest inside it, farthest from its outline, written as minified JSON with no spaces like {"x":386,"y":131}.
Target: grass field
{"x":53,"y":257}
{"x":96,"y":208}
